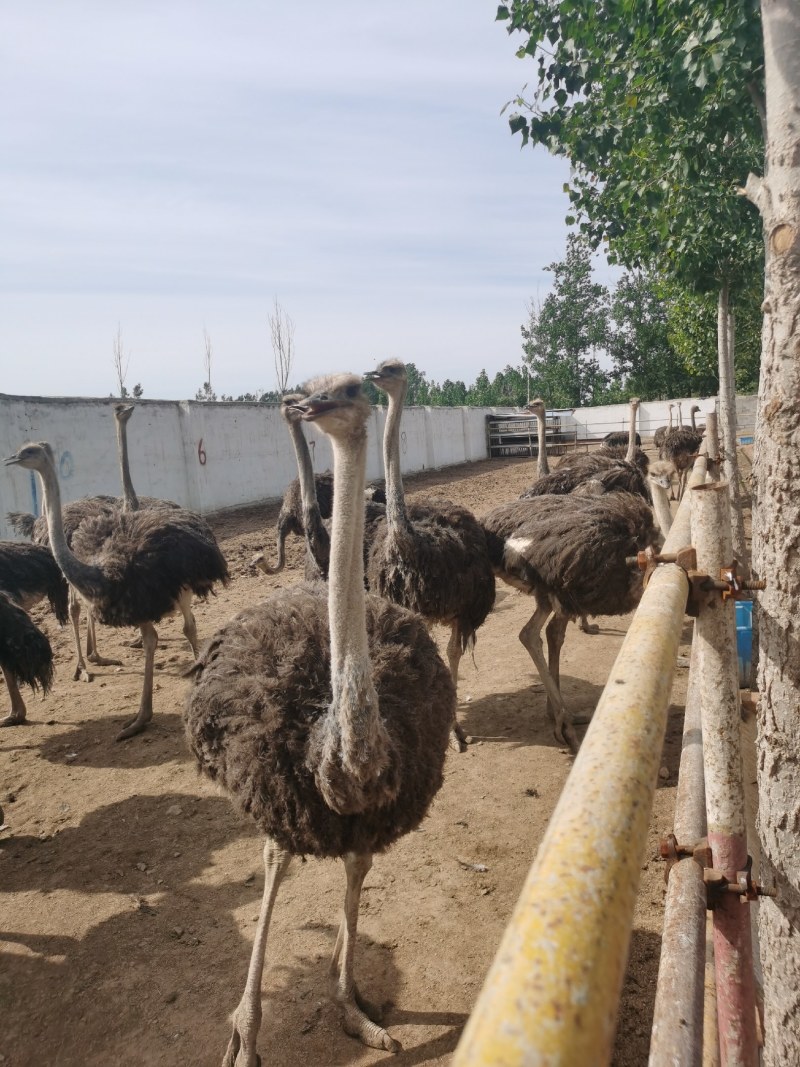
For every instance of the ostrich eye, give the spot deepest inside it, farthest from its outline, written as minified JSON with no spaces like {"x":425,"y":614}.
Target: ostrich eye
{"x":352,"y":390}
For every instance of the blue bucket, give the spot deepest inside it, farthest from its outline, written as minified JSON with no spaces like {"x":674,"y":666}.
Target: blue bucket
{"x":744,"y":640}
{"x":746,"y":440}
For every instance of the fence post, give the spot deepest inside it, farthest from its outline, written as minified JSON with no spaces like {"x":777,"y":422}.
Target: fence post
{"x":727,"y":833}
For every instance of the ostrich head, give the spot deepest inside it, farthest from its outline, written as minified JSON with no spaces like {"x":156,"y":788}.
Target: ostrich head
{"x":536,"y":407}
{"x":336,"y":402}
{"x":390,"y":376}
{"x":634,"y":402}
{"x":694,"y":408}
{"x":289,"y":410}
{"x":661,"y":473}
{"x":35,"y":456}
{"x":122,"y":412}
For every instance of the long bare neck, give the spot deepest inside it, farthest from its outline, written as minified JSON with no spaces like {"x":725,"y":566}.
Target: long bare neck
{"x":542,"y":466}
{"x":632,"y":435}
{"x":86,"y":578}
{"x":312,"y":519}
{"x":396,"y":514}
{"x":680,"y":416}
{"x":691,"y":416}
{"x":661,"y":507}
{"x":355,"y":746}
{"x":670,"y":416}
{"x":130,"y":501}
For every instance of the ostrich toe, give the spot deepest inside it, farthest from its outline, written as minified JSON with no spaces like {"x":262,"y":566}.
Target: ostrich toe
{"x":458,"y":739}
{"x":103,"y":661}
{"x":356,"y":1023}
{"x":14,"y":718}
{"x":232,"y":1053}
{"x":81,"y":674}
{"x":589,"y":627}
{"x":135,"y":726}
{"x":136,"y":642}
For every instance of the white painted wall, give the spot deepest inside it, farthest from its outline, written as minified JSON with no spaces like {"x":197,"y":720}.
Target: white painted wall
{"x":246,"y":451}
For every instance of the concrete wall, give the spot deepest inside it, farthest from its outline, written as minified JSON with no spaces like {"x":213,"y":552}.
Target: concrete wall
{"x":213,"y":456}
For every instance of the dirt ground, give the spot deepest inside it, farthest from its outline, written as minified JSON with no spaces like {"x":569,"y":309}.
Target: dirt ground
{"x":129,"y":888}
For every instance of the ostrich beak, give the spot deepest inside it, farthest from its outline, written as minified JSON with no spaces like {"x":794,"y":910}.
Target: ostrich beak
{"x":11,"y":460}
{"x":370,"y":375}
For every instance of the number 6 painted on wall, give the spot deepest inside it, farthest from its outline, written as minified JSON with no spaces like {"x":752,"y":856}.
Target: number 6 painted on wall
{"x":201,"y":453}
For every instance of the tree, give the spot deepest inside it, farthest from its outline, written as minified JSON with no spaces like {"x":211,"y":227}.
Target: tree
{"x":207,"y":392}
{"x":776,"y":521}
{"x":281,"y":329}
{"x":656,"y":115}
{"x":121,"y":361}
{"x":566,"y":331}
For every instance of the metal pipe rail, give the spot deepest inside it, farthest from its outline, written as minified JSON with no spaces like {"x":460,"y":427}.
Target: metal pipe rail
{"x":552,"y":994}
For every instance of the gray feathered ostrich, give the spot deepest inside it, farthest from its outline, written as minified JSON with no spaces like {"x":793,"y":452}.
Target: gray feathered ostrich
{"x":569,"y":553}
{"x":680,"y":447}
{"x":28,"y":573}
{"x":430,"y":557}
{"x":131,"y":569}
{"x":25,"y":657}
{"x":325,"y":714}
{"x":73,"y":514}
{"x":661,"y":432}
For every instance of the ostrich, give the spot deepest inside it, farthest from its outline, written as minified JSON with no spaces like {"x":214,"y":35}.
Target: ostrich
{"x":679,"y":447}
{"x":430,"y":557}
{"x":25,"y":656}
{"x":618,"y":474}
{"x":661,"y":432}
{"x":73,"y":514}
{"x":131,"y":569}
{"x":325,"y":714}
{"x":569,"y":552}
{"x":537,"y":408}
{"x":627,"y":438}
{"x":132,"y":502}
{"x":692,"y":410}
{"x":660,"y":479}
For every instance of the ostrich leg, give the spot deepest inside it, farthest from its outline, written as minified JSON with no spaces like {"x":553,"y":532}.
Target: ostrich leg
{"x":189,"y":623}
{"x":145,"y":713}
{"x":18,"y":712}
{"x":241,"y":1051}
{"x":588,"y":627}
{"x":531,"y":637}
{"x":556,"y":629}
{"x":458,"y":739}
{"x":355,"y":1020}
{"x":81,"y":671}
{"x":91,"y":646}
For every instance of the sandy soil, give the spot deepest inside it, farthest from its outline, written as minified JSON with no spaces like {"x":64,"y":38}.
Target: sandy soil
{"x":129,"y":888}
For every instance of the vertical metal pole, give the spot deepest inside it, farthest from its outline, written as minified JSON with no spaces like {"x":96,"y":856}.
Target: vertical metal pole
{"x":712,"y":445}
{"x":727,"y":834}
{"x":678,"y":1013}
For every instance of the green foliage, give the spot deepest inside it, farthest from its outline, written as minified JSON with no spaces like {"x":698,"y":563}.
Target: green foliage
{"x":562,"y":337}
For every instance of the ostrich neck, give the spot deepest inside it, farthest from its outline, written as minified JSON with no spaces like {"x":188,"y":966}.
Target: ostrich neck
{"x":129,"y":497}
{"x":680,"y":416}
{"x":632,"y":435}
{"x":305,"y":469}
{"x":691,"y":416}
{"x":86,"y":578}
{"x":661,"y":507}
{"x":542,"y":466}
{"x":396,"y":514}
{"x":353,"y":692}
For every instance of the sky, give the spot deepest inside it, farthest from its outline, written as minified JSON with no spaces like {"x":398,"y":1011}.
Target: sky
{"x":171,"y":167}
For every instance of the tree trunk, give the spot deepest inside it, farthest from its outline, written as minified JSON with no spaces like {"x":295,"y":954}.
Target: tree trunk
{"x":776,"y":536}
{"x":727,"y":420}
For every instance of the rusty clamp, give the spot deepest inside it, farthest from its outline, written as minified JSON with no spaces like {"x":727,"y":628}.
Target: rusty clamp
{"x":716,"y":882}
{"x":703,"y":589}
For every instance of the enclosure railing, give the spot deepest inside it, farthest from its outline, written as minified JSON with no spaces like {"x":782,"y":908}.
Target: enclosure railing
{"x":552,"y":993}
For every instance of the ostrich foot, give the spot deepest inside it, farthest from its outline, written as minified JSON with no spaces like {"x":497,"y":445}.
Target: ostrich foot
{"x":458,"y":739}
{"x":232,"y":1057}
{"x":356,"y":1023}
{"x":101,"y":661}
{"x":135,"y":643}
{"x":565,"y":735}
{"x":589,"y":627}
{"x":134,"y":726}
{"x":81,"y":674}
{"x":14,"y":718}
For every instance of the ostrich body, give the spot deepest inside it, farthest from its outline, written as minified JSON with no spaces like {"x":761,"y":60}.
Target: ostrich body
{"x":130,"y":569}
{"x":621,"y":438}
{"x":430,"y":557}
{"x":28,"y":573}
{"x":618,"y":474}
{"x":25,"y":656}
{"x":679,"y":447}
{"x":661,"y":432}
{"x":537,"y":408}
{"x":325,"y":714}
{"x":569,"y":553}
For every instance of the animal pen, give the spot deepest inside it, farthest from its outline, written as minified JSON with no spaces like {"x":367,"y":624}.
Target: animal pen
{"x":552,"y":993}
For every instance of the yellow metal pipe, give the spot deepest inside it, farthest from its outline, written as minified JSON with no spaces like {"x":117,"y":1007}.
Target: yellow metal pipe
{"x":552,"y":993}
